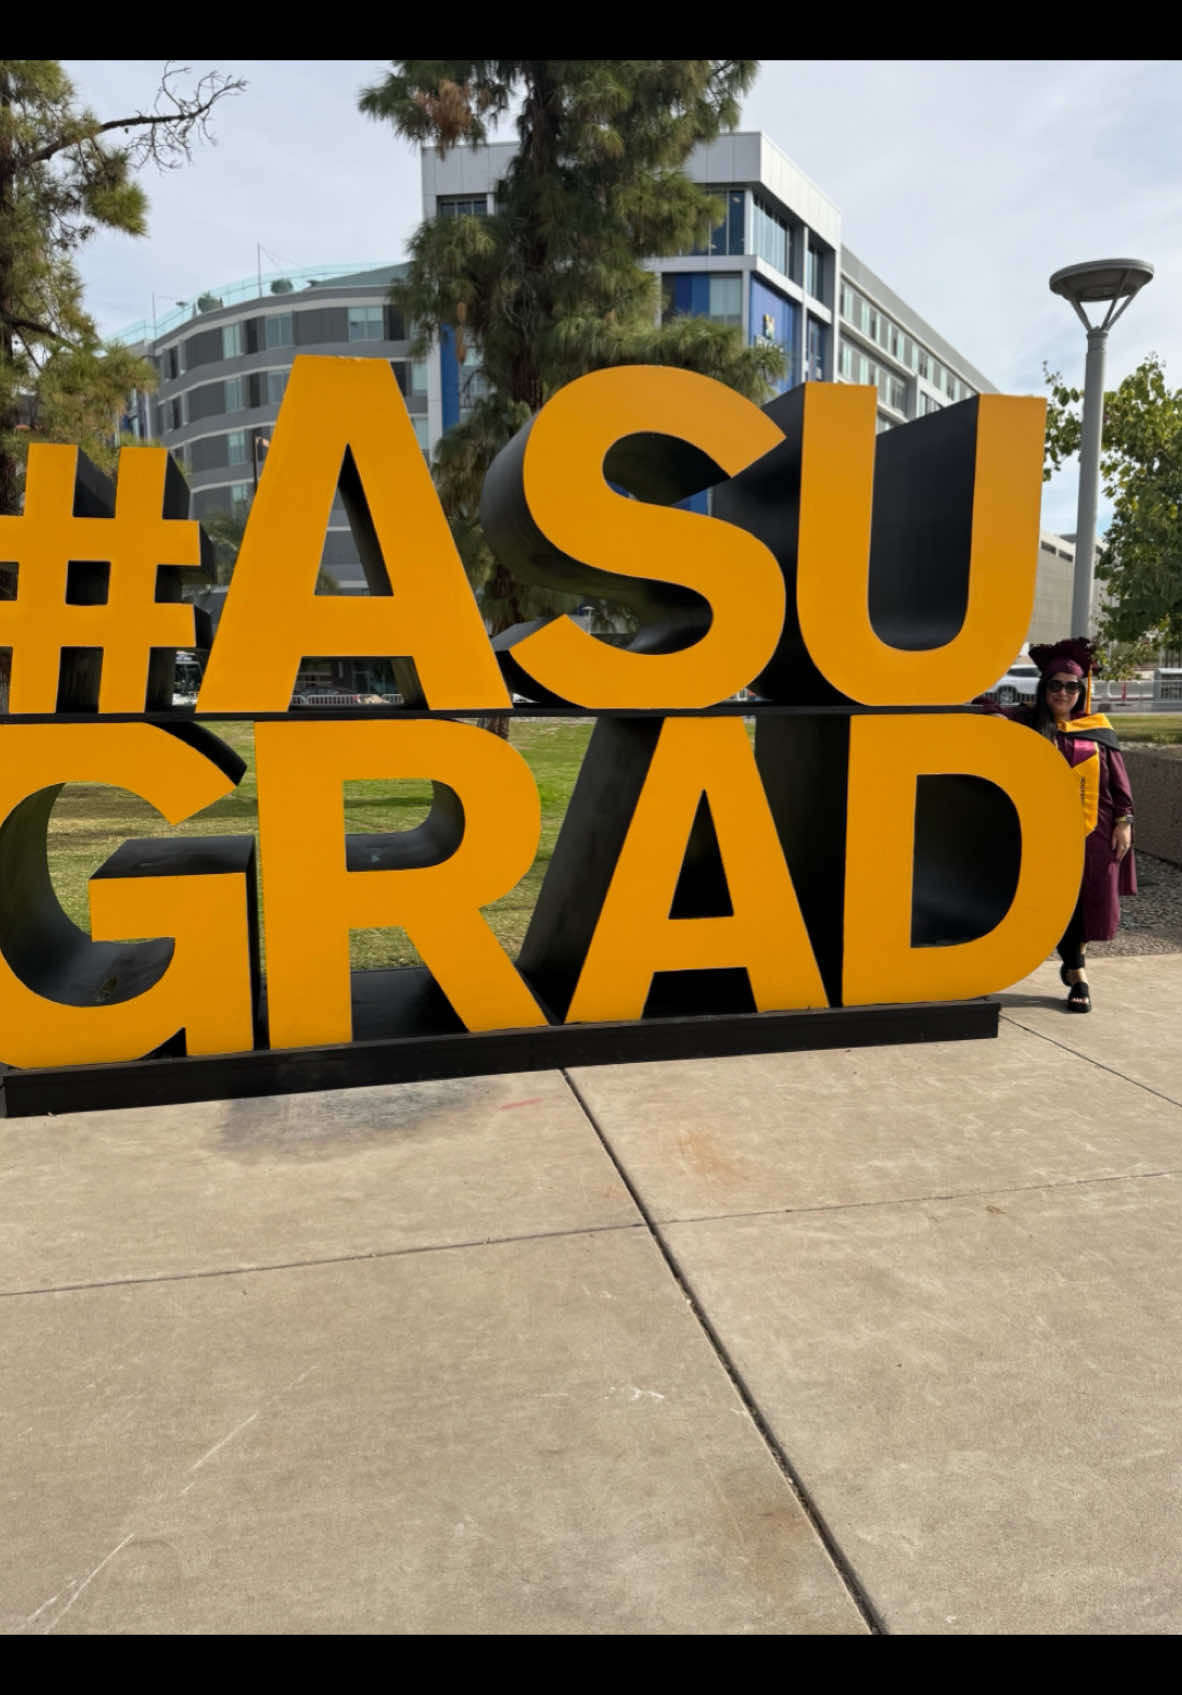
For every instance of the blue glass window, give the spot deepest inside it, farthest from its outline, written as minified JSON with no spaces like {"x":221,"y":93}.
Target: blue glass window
{"x":772,"y":238}
{"x":727,"y":237}
{"x":365,"y":323}
{"x":734,"y":217}
{"x":279,"y":329}
{"x":726,"y":300}
{"x":815,"y":356}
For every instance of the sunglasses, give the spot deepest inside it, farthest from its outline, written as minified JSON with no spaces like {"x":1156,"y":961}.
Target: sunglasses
{"x":1058,"y":686}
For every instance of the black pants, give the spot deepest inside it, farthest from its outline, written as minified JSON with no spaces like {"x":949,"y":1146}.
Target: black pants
{"x":1072,"y":944}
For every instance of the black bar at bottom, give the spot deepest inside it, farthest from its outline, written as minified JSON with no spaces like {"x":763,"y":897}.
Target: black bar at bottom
{"x":415,"y":1059}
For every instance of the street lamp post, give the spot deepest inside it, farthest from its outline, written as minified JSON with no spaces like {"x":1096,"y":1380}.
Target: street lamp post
{"x":1114,"y":281}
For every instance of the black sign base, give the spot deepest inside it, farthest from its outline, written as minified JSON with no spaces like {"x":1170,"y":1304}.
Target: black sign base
{"x":417,"y":1058}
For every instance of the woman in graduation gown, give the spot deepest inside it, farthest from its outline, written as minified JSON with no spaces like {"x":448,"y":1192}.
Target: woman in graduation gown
{"x":1062,"y":712}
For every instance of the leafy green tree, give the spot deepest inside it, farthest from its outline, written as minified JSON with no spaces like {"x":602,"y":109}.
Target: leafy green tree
{"x":65,"y":173}
{"x":1120,"y":660}
{"x":1141,"y":466}
{"x":550,"y":285}
{"x":225,"y":530}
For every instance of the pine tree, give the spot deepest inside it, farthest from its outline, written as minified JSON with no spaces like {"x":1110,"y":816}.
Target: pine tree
{"x":549,"y":285}
{"x":64,"y":173}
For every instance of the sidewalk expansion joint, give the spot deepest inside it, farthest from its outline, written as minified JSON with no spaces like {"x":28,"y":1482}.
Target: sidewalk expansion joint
{"x":311,"y":1264}
{"x":922,"y":1200}
{"x":1088,"y":1060}
{"x":812,"y":1513}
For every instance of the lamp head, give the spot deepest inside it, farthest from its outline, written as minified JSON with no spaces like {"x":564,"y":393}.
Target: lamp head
{"x":1098,"y":280}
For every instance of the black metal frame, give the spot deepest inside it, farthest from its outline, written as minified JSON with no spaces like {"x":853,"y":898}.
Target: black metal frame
{"x":417,"y":1058}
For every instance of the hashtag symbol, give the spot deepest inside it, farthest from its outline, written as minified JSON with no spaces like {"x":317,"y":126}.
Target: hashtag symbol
{"x":133,"y":540}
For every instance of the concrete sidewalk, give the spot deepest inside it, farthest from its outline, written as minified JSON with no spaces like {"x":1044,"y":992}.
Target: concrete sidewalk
{"x":878,"y":1339}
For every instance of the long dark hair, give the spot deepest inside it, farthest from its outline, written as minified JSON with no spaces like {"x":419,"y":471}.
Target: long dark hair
{"x":1049,"y":657}
{"x":1040,"y":717}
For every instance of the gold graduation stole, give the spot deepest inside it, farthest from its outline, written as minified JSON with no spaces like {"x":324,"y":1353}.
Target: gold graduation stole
{"x":1087,"y":771}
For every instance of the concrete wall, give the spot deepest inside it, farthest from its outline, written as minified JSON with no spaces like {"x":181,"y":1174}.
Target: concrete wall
{"x":1155,"y":775}
{"x":1050,"y":618}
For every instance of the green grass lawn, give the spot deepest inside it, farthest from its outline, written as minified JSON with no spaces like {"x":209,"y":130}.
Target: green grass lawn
{"x":1159,"y":728}
{"x":89,"y":822}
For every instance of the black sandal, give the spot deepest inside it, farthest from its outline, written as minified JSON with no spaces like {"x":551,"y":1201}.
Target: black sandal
{"x":1079,"y":999}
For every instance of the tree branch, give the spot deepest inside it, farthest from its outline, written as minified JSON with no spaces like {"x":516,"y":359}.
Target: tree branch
{"x":42,"y":330}
{"x":185,"y":115}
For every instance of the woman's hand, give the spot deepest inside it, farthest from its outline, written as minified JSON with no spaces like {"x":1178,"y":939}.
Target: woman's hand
{"x":1122,"y":840}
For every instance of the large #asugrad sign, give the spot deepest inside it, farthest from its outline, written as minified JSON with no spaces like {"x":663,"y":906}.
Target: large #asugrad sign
{"x":876,"y":844}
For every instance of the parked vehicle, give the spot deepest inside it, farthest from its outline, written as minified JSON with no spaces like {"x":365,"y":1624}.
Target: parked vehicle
{"x":1019,"y":684}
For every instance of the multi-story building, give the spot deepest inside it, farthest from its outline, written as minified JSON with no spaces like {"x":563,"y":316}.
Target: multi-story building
{"x":223,"y":364}
{"x":775,"y":266}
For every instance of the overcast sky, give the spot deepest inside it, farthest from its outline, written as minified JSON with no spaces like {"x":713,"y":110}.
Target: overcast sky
{"x":963,"y":184}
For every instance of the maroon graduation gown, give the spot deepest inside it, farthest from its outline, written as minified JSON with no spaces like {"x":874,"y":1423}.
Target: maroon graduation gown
{"x":1104,"y":879}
